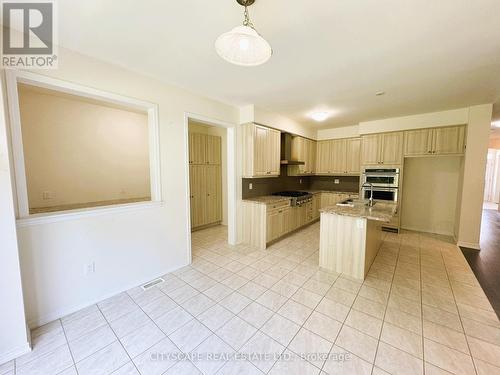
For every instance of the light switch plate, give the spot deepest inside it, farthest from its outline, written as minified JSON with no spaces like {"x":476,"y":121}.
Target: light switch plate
{"x":336,"y":181}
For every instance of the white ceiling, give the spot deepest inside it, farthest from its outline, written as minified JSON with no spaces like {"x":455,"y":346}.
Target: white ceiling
{"x":427,"y":55}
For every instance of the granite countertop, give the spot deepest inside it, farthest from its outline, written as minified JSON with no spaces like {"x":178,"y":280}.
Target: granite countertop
{"x":381,"y":211}
{"x":267,"y":199}
{"x":270,"y":199}
{"x":330,"y":191}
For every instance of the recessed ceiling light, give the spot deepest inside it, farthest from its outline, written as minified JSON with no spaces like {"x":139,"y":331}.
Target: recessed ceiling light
{"x":380,"y":93}
{"x":320,"y":116}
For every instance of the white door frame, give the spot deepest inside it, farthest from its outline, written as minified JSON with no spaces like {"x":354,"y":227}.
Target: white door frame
{"x":231,"y":175}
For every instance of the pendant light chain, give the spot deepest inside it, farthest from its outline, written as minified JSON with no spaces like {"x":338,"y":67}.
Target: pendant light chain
{"x":247,"y":21}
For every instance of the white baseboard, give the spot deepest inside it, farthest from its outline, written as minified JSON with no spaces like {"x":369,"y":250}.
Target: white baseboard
{"x":470,"y":245}
{"x":58,"y":314}
{"x":425,"y":230}
{"x":15,"y":353}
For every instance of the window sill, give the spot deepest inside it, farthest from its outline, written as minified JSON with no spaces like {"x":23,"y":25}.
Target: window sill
{"x":53,"y":217}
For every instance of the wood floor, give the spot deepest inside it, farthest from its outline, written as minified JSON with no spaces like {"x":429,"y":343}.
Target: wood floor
{"x":486,"y":263}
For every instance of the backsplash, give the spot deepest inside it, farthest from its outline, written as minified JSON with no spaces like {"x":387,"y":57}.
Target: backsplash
{"x":267,"y":186}
{"x":346,"y":183}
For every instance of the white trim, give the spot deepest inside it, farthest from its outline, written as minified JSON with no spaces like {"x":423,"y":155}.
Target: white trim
{"x":13,"y":77}
{"x":15,"y":353}
{"x":470,"y":245}
{"x":231,"y":175}
{"x":55,"y":217}
{"x":58,"y":314}
{"x":423,"y":230}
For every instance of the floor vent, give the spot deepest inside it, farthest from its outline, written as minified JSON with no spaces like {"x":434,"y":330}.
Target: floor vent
{"x":392,"y":230}
{"x":152,"y":283}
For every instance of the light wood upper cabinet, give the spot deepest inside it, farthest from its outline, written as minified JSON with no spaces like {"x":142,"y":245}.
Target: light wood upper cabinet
{"x":353,"y":150}
{"x":261,"y":151}
{"x":323,"y":158}
{"x":303,"y":149}
{"x":418,"y":142}
{"x":213,"y":150}
{"x":204,"y":149}
{"x":436,"y":141}
{"x":273,"y":152}
{"x":370,"y":150}
{"x":197,"y":148}
{"x":338,"y":156}
{"x":385,"y":148}
{"x":392,"y":148}
{"x":311,"y":156}
{"x":449,"y":140}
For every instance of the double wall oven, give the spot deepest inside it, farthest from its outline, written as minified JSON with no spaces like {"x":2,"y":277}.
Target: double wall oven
{"x":385,"y":183}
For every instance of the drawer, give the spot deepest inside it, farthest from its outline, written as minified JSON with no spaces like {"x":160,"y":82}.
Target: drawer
{"x":277,"y":206}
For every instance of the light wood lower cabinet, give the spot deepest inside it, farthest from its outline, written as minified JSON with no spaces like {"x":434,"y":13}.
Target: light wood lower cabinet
{"x":263,"y":223}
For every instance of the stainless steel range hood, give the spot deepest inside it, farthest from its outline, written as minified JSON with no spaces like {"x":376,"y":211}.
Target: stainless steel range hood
{"x":286,"y":151}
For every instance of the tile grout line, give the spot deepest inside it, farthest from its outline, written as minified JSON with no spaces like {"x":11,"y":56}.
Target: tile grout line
{"x":458,"y":311}
{"x":387,"y":302}
{"x":69,"y":348}
{"x":117,"y":339}
{"x":341,"y":326}
{"x":421,"y":300}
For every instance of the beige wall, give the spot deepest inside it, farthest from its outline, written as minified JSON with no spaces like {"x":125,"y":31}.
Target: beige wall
{"x":471,"y":205}
{"x":128,"y":247}
{"x":80,"y":151}
{"x":221,"y":132}
{"x":430,"y":191}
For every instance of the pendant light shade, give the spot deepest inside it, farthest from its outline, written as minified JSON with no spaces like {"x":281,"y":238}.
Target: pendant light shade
{"x":243,"y":45}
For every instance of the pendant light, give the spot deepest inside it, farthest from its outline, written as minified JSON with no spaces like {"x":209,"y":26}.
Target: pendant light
{"x":243,"y":45}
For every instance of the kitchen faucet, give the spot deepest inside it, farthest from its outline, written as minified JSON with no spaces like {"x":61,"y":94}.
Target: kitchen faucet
{"x":370,"y":185}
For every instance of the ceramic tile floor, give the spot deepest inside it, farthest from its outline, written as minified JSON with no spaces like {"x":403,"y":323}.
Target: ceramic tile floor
{"x":240,"y":311}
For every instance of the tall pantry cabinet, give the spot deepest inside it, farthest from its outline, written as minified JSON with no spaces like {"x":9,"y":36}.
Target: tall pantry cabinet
{"x":205,"y":186}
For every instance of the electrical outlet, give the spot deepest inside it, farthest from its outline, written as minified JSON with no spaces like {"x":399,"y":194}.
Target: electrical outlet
{"x":250,"y":186}
{"x":336,"y":181}
{"x":89,"y":268}
{"x":47,"y":195}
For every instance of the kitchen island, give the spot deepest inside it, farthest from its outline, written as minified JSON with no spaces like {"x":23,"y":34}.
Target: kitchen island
{"x":350,"y":236}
